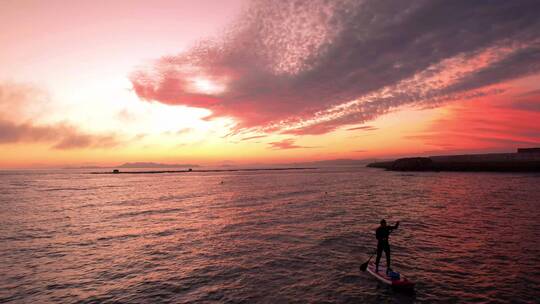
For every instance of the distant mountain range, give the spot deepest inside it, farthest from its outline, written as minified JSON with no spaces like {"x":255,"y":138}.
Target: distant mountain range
{"x":314,"y":164}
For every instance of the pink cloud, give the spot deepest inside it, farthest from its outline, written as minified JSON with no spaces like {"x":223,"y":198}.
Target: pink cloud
{"x":301,"y":68}
{"x":286,"y":144}
{"x":11,"y":132}
{"x":21,"y":101}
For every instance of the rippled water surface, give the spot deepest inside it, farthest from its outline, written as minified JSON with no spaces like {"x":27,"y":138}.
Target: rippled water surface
{"x":266,"y":237}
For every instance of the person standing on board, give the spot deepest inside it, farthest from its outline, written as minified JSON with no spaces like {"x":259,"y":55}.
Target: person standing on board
{"x":382,"y":233}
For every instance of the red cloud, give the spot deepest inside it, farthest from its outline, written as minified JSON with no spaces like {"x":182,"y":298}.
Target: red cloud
{"x":496,"y":124}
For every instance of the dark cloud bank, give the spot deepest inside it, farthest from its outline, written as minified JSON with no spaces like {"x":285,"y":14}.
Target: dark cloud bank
{"x":62,"y":136}
{"x":309,"y":67}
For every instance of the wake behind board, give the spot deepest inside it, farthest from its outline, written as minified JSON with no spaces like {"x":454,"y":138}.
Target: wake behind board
{"x":402,"y":282}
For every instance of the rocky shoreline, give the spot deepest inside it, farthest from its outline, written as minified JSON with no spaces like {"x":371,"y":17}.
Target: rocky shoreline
{"x":525,"y":160}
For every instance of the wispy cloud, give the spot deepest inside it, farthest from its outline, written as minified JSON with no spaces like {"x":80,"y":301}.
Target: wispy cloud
{"x":528,"y":101}
{"x":253,"y":137}
{"x":126,"y":116}
{"x":286,"y":144}
{"x":61,"y":136}
{"x":300,"y":67}
{"x":363,"y":128}
{"x":184,"y":131}
{"x":179,"y":132}
{"x":139,"y":136}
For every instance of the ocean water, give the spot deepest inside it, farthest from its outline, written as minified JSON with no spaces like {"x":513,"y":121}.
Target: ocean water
{"x":266,"y":237}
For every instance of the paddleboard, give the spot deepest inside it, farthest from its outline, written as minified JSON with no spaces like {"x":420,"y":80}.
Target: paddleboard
{"x":403,"y":282}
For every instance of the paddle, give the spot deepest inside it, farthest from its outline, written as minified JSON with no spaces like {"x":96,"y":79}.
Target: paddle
{"x":363,"y":267}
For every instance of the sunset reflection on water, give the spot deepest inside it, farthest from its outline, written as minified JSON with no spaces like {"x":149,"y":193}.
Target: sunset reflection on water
{"x":286,"y":236}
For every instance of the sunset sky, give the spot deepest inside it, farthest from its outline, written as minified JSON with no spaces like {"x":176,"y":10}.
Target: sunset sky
{"x":244,"y":82}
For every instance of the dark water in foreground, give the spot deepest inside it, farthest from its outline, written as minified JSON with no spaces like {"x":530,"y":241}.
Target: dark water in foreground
{"x":266,"y":237}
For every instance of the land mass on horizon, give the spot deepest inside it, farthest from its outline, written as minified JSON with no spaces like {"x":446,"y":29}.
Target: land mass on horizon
{"x":320,"y":163}
{"x":524,"y":160}
{"x":156,"y":165}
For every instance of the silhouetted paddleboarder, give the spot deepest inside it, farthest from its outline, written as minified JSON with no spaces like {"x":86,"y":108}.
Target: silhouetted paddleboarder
{"x":391,"y":278}
{"x":382,"y":233}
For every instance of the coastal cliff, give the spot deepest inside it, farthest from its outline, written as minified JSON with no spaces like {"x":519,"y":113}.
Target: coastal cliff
{"x":526,"y":160}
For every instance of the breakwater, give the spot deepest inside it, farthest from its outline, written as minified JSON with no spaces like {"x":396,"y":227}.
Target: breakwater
{"x":116,"y":171}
